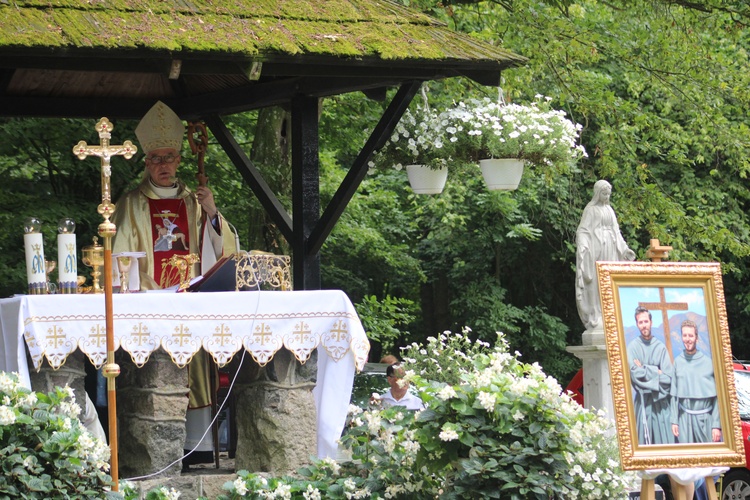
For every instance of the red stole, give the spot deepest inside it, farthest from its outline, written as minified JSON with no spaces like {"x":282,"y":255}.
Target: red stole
{"x":170,"y":231}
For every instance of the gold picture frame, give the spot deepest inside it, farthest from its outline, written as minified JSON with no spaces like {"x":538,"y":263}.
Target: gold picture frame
{"x":672,"y":293}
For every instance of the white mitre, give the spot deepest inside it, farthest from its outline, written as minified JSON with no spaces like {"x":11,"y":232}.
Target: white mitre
{"x":160,"y":128}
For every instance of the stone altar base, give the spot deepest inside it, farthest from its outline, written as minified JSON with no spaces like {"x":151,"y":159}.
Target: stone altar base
{"x":276,"y":427}
{"x":151,"y":406}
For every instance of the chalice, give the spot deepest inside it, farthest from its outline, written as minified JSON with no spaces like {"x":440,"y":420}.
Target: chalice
{"x":93,"y":256}
{"x":124,"y":264}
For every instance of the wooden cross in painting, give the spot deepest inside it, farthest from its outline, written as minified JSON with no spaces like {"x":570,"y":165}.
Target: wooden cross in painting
{"x":665,"y":306}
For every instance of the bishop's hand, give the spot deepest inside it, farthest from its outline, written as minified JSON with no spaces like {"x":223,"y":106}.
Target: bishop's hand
{"x":206,"y":199}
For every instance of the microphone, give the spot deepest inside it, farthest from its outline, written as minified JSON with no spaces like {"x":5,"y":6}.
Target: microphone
{"x":236,"y":236}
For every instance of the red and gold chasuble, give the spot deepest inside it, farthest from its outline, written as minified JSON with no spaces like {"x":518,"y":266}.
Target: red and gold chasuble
{"x":170,"y":233}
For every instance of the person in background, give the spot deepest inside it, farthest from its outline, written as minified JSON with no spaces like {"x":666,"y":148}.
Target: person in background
{"x":389,"y":359}
{"x":398,"y":394}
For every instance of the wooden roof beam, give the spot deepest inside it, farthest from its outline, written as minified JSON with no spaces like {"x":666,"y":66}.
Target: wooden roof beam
{"x":358,"y":170}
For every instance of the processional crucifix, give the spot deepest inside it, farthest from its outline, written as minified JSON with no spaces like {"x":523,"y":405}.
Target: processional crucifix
{"x":107,"y":230}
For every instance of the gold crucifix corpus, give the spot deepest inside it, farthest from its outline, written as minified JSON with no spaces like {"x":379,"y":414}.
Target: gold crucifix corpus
{"x":105,"y":151}
{"x":107,"y":230}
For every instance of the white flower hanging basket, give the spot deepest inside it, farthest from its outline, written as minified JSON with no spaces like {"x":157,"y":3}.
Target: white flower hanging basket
{"x":502,"y":174}
{"x":425,"y":180}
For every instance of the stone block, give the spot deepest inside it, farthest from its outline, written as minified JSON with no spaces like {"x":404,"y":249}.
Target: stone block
{"x":276,"y":427}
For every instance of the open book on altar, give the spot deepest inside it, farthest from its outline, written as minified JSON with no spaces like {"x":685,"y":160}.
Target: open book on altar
{"x":244,"y":271}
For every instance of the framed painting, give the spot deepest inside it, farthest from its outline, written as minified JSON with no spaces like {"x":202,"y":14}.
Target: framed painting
{"x":670,"y":364}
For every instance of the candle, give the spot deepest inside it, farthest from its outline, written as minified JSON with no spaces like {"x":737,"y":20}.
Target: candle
{"x":66,"y":256}
{"x":36,"y":274}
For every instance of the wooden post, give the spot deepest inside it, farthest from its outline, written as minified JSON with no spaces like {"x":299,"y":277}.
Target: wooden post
{"x":648,"y":489}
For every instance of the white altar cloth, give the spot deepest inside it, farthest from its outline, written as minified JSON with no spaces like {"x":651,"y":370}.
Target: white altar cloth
{"x":221,"y":322}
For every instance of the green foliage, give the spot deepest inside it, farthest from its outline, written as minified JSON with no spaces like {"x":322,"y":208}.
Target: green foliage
{"x":45,"y":451}
{"x":131,"y":492}
{"x":381,"y":319}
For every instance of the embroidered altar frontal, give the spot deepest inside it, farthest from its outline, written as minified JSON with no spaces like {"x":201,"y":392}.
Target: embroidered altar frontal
{"x":221,"y":323}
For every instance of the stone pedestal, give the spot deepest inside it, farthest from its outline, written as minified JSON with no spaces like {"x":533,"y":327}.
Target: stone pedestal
{"x":151,"y":406}
{"x":597,"y":387}
{"x":276,"y":416}
{"x":594,"y":336}
{"x":276,"y":427}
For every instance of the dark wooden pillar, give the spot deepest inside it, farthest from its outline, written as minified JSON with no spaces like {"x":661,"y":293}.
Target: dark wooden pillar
{"x":305,"y":191}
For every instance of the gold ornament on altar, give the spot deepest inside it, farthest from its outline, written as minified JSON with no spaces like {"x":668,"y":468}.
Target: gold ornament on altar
{"x":183,"y":265}
{"x":263,"y":271}
{"x":93,"y":256}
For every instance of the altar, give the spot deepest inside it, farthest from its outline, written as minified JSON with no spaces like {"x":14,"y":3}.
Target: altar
{"x":53,"y":327}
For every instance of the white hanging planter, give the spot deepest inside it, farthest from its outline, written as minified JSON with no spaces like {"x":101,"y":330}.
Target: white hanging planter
{"x":502,"y":174}
{"x":426,"y":180}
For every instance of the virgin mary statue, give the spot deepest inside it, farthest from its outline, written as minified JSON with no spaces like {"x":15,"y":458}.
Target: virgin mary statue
{"x":598,"y":238}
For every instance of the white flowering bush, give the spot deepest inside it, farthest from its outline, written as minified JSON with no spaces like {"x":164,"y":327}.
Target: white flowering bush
{"x":45,"y":450}
{"x":494,"y":427}
{"x":505,"y":426}
{"x":445,"y":358}
{"x":536,"y":133}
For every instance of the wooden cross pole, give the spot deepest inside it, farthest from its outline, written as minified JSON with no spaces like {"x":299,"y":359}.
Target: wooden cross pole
{"x":665,"y":306}
{"x":107,"y":230}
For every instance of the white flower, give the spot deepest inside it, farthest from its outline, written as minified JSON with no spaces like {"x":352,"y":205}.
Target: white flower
{"x":29,"y":400}
{"x":373,"y":422}
{"x":333,"y":465}
{"x":239,"y":486}
{"x":487,"y":400}
{"x":311,"y":493}
{"x":8,"y":384}
{"x":448,"y":432}
{"x":7,"y":415}
{"x":169,"y":494}
{"x":446,"y":393}
{"x":283,"y":491}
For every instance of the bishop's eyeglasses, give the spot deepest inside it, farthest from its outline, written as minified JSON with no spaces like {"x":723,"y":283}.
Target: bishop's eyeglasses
{"x":156,"y":160}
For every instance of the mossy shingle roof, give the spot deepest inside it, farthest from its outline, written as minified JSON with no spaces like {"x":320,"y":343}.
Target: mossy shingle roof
{"x":378,"y":41}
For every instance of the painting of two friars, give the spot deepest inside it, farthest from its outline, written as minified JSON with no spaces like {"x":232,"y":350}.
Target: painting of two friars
{"x":97,"y":59}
